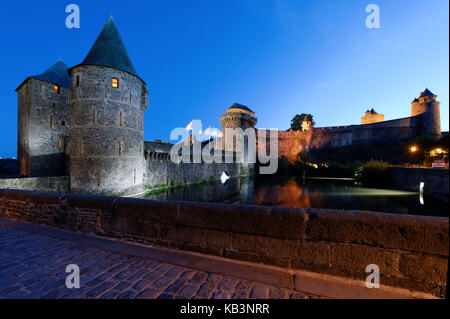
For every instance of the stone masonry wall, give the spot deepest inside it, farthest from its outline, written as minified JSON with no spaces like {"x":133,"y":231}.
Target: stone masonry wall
{"x":411,"y":251}
{"x":43,"y":128}
{"x":106,"y":143}
{"x":160,"y":170}
{"x":291,"y":143}
{"x":59,"y":184}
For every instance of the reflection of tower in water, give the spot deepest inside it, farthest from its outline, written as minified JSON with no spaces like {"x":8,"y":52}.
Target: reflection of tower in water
{"x":290,"y":194}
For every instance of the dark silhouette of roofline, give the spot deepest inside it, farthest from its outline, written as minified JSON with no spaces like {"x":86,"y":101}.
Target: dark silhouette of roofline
{"x":240,"y":107}
{"x":426,"y":93}
{"x":56,"y":75}
{"x":109,"y":50}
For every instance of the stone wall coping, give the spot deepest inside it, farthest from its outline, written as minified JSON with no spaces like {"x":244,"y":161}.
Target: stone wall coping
{"x":89,"y":201}
{"x":34,"y":196}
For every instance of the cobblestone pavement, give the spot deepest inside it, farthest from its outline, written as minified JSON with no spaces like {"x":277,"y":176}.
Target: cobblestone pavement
{"x":33,"y":266}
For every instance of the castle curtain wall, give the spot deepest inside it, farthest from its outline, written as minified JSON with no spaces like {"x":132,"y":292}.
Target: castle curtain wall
{"x":291,"y":143}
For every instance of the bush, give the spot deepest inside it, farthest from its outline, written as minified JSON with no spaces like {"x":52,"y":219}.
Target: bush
{"x":375,"y":173}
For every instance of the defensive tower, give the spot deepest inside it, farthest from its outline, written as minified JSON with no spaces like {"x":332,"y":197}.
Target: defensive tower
{"x":237,"y":116}
{"x":240,"y":117}
{"x":43,"y":122}
{"x":107,"y":132}
{"x":306,"y":124}
{"x":372,"y":117}
{"x":427,"y":109}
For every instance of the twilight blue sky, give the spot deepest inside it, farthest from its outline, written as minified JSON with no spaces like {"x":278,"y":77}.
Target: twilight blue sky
{"x":279,"y":57}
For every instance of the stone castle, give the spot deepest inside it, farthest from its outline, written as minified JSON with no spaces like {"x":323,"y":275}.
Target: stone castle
{"x":87,"y":122}
{"x":424,"y":121}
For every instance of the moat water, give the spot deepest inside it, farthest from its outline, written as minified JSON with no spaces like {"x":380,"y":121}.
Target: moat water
{"x":341,"y":194}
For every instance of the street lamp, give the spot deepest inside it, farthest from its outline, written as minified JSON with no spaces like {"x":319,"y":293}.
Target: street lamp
{"x":413,"y":150}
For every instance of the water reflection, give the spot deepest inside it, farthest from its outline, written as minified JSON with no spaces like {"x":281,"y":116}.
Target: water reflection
{"x":290,"y":195}
{"x":308,"y":193}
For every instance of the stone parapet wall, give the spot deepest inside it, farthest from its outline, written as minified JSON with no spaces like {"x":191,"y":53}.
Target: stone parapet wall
{"x":411,"y":251}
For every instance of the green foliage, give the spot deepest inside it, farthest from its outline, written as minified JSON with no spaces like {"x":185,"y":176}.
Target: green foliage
{"x":158,"y":186}
{"x":375,"y":173}
{"x":296,"y":122}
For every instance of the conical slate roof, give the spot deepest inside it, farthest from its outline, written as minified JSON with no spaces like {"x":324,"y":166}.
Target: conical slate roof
{"x":56,"y":74}
{"x":426,"y":93}
{"x":109,"y":50}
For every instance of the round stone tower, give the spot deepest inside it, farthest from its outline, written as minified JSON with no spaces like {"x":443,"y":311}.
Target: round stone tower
{"x":107,"y":116}
{"x":240,"y":116}
{"x":427,"y":110}
{"x":237,"y":116}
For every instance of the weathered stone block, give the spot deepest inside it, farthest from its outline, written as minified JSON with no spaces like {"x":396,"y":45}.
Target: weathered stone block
{"x":355,"y":259}
{"x":311,"y":255}
{"x":90,"y":201}
{"x":203,"y":237}
{"x":406,"y":232}
{"x":424,"y":267}
{"x":145,"y":209}
{"x":251,"y":243}
{"x":44,"y":198}
{"x":257,"y":220}
{"x":208,"y":215}
{"x":283,"y":248}
{"x":280,"y":222}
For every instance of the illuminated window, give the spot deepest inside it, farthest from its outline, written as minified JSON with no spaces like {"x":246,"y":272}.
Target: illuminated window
{"x":115,"y":82}
{"x":57,"y":89}
{"x":60,"y":143}
{"x":120,"y":118}
{"x":40,"y":90}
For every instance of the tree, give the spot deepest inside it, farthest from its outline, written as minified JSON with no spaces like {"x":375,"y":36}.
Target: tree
{"x":296,"y":123}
